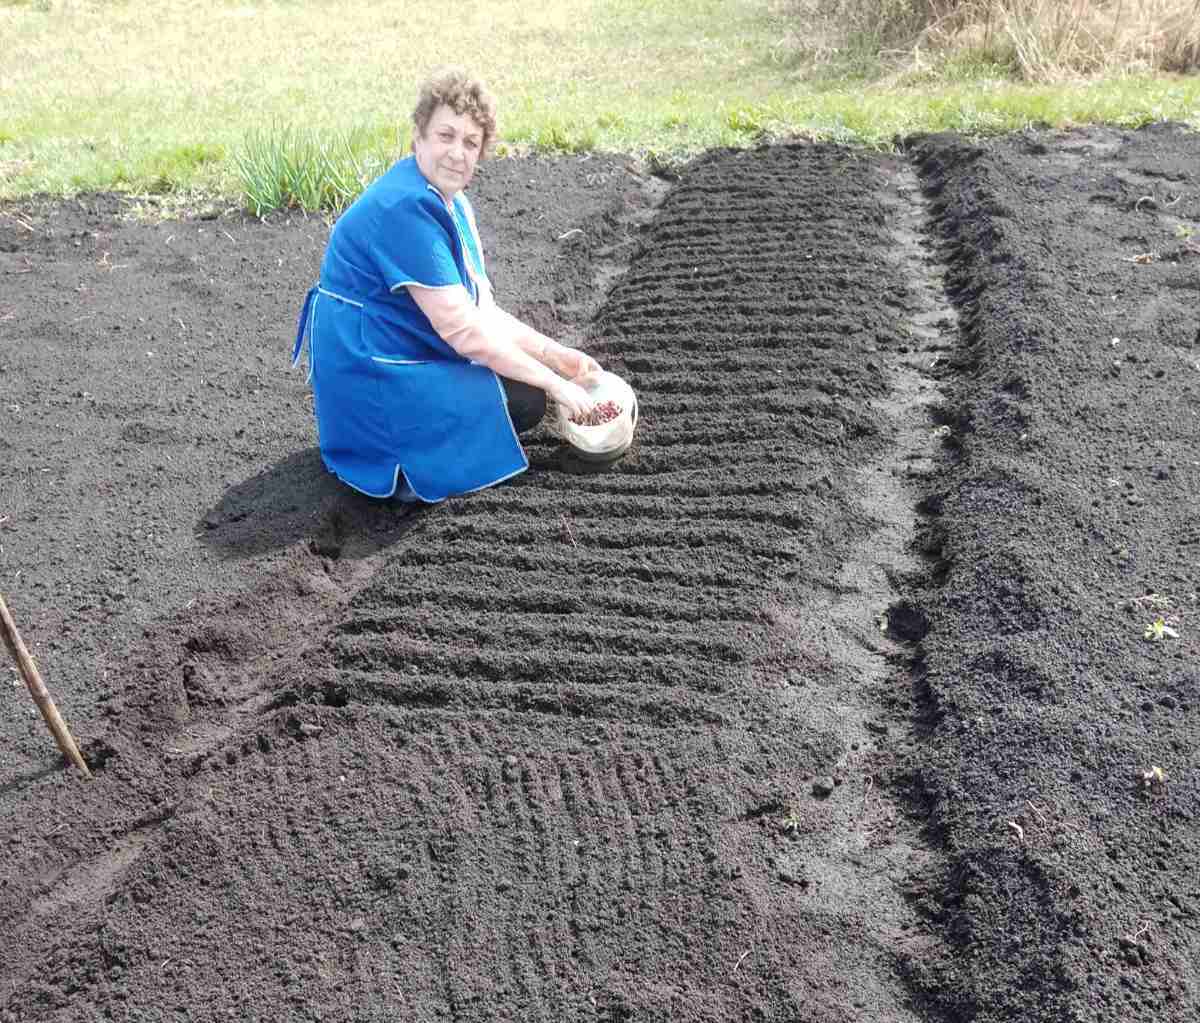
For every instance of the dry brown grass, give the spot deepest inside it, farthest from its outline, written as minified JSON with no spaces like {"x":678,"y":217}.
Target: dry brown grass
{"x":1053,"y":40}
{"x":1042,"y":40}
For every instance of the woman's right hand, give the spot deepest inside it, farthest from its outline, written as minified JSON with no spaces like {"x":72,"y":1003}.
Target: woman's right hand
{"x":575,"y":365}
{"x":575,"y":401}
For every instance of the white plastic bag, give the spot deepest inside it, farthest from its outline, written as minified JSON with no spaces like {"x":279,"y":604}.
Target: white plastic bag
{"x":607,"y":441}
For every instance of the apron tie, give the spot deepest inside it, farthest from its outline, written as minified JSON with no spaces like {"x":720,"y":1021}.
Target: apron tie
{"x":303,"y":330}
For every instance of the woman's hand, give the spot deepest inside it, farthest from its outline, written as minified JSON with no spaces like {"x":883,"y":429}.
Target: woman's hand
{"x":584,"y":365}
{"x":575,"y":401}
{"x":571,"y":362}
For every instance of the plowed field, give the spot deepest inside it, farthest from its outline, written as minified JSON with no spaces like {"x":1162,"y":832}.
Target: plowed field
{"x":840,"y":697}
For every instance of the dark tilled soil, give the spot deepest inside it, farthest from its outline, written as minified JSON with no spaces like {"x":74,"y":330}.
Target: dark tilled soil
{"x":1064,"y":522}
{"x":832,"y":700}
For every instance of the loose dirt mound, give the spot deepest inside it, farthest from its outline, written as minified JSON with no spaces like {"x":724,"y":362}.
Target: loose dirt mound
{"x":628,"y":745}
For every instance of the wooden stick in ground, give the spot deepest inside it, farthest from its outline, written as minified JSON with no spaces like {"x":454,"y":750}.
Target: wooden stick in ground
{"x":37,"y":689}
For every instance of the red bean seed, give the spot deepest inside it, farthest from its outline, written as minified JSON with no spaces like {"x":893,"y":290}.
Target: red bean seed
{"x":603,"y":412}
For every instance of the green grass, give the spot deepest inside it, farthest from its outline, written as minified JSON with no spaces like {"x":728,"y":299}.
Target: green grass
{"x":299,"y":100}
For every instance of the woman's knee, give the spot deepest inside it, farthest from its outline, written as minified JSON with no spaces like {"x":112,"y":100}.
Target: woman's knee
{"x":526,"y":404}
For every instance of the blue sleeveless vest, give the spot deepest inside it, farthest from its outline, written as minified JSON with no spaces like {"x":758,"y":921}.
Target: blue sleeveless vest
{"x":396,"y":407}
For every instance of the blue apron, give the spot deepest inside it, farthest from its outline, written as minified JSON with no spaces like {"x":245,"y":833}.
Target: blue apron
{"x":397,"y":408}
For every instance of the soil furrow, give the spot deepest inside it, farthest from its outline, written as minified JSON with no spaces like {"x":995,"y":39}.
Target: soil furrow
{"x":543,"y":598}
{"x":515,"y":631}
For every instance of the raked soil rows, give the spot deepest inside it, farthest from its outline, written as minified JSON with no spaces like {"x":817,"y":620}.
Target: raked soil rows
{"x":825,"y":703}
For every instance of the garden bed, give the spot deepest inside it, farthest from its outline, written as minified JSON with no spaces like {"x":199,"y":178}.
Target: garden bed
{"x":834,"y":699}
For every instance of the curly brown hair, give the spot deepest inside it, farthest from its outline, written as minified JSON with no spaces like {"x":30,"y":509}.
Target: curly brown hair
{"x":464,"y":94}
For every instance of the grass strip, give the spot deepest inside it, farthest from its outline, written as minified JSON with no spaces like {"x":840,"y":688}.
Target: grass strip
{"x":298,"y":102}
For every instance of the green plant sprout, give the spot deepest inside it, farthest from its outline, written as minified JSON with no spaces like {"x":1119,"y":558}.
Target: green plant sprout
{"x":1158,"y":630}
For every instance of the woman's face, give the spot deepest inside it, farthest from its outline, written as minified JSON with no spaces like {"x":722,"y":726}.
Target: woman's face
{"x":449,"y":149}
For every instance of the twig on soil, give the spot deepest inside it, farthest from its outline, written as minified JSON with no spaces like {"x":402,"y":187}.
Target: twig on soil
{"x":1140,"y":931}
{"x":1137,"y":206}
{"x":25,"y":224}
{"x":1040,"y":814}
{"x":741,"y":959}
{"x":1017,"y":828}
{"x":229,"y":236}
{"x":570,"y":234}
{"x":1154,"y":601}
{"x":1142,"y":258}
{"x":570,"y":535}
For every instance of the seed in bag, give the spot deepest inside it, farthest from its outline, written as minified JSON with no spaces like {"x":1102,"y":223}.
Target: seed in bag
{"x":603,"y":412}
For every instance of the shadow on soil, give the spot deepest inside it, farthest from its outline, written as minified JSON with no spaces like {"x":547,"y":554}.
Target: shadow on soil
{"x":297,"y":500}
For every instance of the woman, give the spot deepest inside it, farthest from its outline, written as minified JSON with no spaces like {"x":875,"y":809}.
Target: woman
{"x":421,"y":383}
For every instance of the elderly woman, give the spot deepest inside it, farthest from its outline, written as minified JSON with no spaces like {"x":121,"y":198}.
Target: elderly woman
{"x":421,"y":383}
